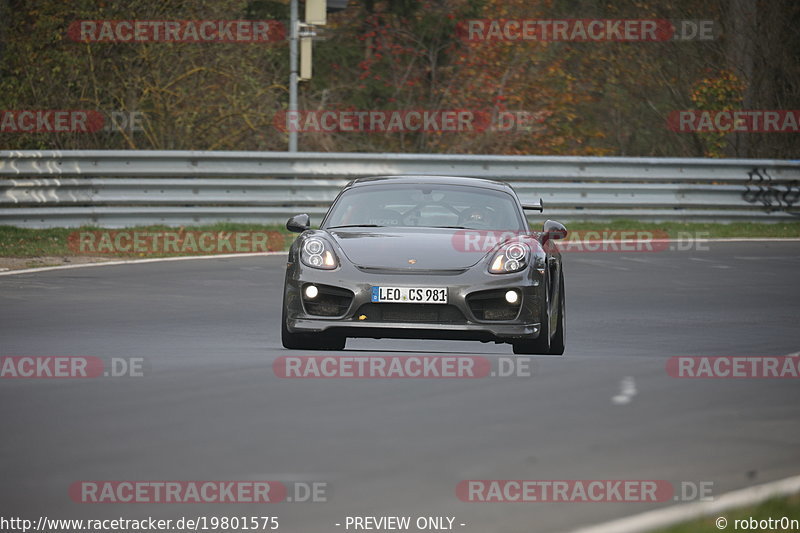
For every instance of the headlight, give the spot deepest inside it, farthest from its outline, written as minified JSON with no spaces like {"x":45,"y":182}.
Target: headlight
{"x":317,"y":253}
{"x":510,"y":258}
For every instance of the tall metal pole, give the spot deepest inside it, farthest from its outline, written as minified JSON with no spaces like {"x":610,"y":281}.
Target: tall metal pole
{"x":294,"y":24}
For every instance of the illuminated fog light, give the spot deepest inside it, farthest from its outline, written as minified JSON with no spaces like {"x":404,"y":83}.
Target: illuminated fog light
{"x":311,"y":292}
{"x":512,"y":297}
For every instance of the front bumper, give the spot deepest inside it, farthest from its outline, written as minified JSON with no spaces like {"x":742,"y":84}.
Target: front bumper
{"x":354,"y":322}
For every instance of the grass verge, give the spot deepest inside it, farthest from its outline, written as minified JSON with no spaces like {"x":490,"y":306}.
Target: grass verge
{"x":61,"y":242}
{"x":783,"y":230}
{"x":55,"y":242}
{"x":776,"y":509}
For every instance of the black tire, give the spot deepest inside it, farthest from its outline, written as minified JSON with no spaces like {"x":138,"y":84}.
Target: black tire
{"x":557,"y":342}
{"x":541,"y":344}
{"x":309,"y":341}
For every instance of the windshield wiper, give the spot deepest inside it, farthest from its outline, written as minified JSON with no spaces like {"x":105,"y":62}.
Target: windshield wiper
{"x":447,"y":227}
{"x":357,"y":226}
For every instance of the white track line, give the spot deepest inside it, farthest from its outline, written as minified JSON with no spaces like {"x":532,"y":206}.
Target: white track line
{"x":136,"y":261}
{"x":742,"y":239}
{"x":681,"y":513}
{"x":627,"y":390}
{"x":567,"y":242}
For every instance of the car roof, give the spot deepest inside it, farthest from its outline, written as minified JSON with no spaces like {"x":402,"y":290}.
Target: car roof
{"x":434,"y":180}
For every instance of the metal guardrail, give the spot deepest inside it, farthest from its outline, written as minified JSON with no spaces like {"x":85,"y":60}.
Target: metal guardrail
{"x":126,"y":188}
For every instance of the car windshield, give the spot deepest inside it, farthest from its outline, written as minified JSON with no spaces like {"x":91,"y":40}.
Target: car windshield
{"x":426,"y":205}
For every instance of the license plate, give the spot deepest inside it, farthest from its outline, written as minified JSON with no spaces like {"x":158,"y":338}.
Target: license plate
{"x":409,"y":295}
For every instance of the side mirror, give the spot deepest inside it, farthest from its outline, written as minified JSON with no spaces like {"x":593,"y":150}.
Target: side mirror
{"x":554,"y":230}
{"x":298,"y":223}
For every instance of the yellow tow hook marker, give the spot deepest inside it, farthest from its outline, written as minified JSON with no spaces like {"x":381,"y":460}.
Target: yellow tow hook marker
{"x":362,"y":317}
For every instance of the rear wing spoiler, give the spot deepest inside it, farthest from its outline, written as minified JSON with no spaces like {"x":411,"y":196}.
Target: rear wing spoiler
{"x":534,"y":207}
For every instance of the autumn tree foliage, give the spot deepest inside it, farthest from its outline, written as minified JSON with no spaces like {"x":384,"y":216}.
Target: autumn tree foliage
{"x":187,"y":95}
{"x":528,"y":97}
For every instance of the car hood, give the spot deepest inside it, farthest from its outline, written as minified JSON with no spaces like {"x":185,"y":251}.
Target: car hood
{"x":407,"y":249}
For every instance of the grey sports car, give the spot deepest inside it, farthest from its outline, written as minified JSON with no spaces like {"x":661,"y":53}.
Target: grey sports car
{"x":425,"y":257}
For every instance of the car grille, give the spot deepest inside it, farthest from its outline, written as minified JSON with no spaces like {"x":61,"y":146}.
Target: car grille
{"x":412,"y":313}
{"x":412,"y":271}
{"x":330,"y":301}
{"x":492,"y":305}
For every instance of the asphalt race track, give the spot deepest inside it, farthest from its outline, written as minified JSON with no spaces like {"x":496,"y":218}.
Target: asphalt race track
{"x":209,"y":406}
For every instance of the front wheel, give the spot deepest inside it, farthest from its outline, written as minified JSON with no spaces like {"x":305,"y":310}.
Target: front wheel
{"x":544,"y":344}
{"x":557,"y":342}
{"x":541,"y":344}
{"x":309,"y":341}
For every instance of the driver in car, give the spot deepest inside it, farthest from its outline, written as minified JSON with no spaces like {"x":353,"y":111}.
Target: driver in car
{"x":476,"y":216}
